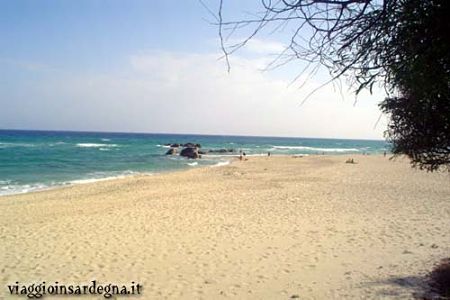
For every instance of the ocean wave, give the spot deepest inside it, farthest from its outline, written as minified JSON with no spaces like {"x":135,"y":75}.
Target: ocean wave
{"x":103,"y":176}
{"x":13,"y":189}
{"x":314,"y":149}
{"x":106,"y":140}
{"x":56,"y":144}
{"x":192,"y":164}
{"x":10,"y":145}
{"x":221,"y":163}
{"x":163,"y":146}
{"x":90,"y":180}
{"x":95,"y":145}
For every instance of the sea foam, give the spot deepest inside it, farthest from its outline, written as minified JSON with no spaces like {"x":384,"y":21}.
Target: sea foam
{"x":221,"y":163}
{"x":95,"y":145}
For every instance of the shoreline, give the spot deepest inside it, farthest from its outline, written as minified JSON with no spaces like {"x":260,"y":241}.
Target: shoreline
{"x":77,"y":182}
{"x":232,"y":159}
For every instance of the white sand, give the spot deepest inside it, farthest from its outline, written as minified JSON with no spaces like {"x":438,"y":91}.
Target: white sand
{"x":267,"y":228}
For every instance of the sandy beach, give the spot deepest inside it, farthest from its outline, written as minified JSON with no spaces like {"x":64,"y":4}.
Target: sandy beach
{"x":267,"y":228}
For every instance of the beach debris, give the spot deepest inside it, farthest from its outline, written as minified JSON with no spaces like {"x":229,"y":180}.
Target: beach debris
{"x":350,"y":161}
{"x":295,"y":296}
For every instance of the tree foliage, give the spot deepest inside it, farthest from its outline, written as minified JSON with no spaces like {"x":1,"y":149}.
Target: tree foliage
{"x":420,"y":114}
{"x":402,"y":44}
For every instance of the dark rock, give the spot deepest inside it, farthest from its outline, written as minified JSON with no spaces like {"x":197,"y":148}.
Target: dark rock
{"x":187,"y":145}
{"x":221,"y":150}
{"x":202,"y":152}
{"x":171,"y":151}
{"x":192,"y":145}
{"x":190,"y":152}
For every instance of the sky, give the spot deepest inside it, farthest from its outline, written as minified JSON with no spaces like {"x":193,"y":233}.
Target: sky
{"x":155,"y":66}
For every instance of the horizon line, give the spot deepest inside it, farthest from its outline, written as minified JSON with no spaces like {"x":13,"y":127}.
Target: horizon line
{"x":190,"y":134}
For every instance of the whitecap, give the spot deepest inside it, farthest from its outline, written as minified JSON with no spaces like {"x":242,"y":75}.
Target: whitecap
{"x":56,"y":144}
{"x":95,"y":145}
{"x":10,"y":145}
{"x":103,"y":176}
{"x":22,"y":188}
{"x":221,"y":164}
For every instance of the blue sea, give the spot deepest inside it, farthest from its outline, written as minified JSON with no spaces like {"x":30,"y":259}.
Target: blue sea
{"x":36,"y":160}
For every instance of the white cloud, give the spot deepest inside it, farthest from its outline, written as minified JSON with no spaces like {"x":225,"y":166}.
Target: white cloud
{"x":193,"y":93}
{"x":259,"y":46}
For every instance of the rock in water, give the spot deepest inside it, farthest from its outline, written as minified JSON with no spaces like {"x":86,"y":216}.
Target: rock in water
{"x":190,"y":152}
{"x":221,"y":150}
{"x":191,"y":145}
{"x":171,"y":151}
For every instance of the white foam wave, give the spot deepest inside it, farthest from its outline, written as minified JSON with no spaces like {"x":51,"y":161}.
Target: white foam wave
{"x":95,"y":145}
{"x":193,"y":164}
{"x":90,"y":180}
{"x":56,"y":144}
{"x":23,"y":188}
{"x":103,"y":176}
{"x":10,"y":145}
{"x":105,"y":140}
{"x":314,"y":149}
{"x":221,"y":163}
{"x":12,"y":189}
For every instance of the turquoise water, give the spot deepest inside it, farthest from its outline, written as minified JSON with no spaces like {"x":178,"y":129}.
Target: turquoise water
{"x":33,"y":160}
